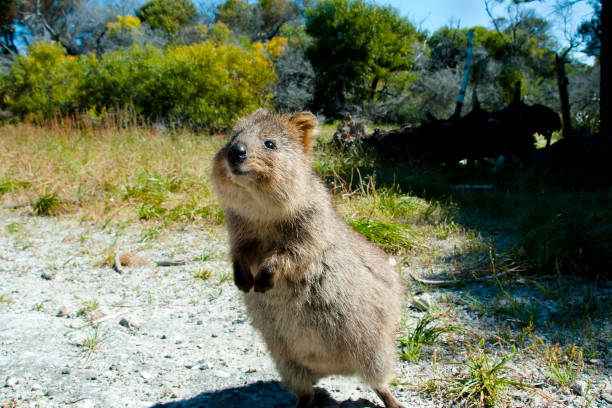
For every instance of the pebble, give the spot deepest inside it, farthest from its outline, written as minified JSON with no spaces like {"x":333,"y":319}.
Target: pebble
{"x":11,"y":382}
{"x":222,"y":374}
{"x":63,"y":311}
{"x":580,"y":387}
{"x":65,"y":371}
{"x":129,"y":322}
{"x":47,"y":275}
{"x":146,"y":375}
{"x":422,"y":302}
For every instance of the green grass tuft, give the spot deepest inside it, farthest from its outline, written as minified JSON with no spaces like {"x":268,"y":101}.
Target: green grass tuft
{"x":426,"y":332}
{"x":47,"y":204}
{"x":486,"y":380}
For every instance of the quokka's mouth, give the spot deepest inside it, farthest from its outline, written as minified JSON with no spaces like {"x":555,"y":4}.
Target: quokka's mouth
{"x":237,"y":169}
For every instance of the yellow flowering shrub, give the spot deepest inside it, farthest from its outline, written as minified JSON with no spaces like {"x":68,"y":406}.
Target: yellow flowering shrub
{"x":205,"y":85}
{"x":41,"y":83}
{"x":127,"y":22}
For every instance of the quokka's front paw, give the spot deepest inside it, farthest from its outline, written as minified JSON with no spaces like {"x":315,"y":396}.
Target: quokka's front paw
{"x":264,"y":280}
{"x":242,"y":277}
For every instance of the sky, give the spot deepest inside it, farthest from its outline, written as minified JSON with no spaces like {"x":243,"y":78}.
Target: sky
{"x":433,"y":14}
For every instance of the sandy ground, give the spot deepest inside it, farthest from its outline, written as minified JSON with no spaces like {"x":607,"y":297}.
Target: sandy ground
{"x":161,"y":337}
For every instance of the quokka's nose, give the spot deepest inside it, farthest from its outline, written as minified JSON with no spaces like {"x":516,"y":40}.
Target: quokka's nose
{"x":236,"y":154}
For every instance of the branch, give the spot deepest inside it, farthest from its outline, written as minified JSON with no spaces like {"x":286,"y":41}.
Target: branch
{"x":494,"y":21}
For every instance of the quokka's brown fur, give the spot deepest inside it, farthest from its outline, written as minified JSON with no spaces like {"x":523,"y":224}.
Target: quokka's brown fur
{"x":325,"y":300}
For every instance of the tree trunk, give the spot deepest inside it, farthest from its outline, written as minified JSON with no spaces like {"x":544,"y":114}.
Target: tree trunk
{"x":466,"y":76}
{"x":604,"y":65}
{"x":562,"y":83}
{"x":373,"y":88}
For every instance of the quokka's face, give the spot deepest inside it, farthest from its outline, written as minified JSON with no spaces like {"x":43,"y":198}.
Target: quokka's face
{"x":266,"y":159}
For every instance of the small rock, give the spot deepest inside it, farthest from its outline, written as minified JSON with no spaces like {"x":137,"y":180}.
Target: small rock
{"x":36,"y":387}
{"x":129,"y":322}
{"x":11,"y":382}
{"x":199,"y":322}
{"x":222,"y":374}
{"x":146,"y":375}
{"x":163,"y":337}
{"x":65,"y":371}
{"x":49,"y":393}
{"x":47,"y":275}
{"x":580,"y":387}
{"x":251,"y":370}
{"x":63,"y":311}
{"x":422,"y":302}
{"x":607,"y":397}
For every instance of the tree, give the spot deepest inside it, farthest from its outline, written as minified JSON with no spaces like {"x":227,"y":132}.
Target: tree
{"x":168,"y":15}
{"x":356,"y":48}
{"x":260,"y":21}
{"x":590,"y":31}
{"x":605,"y":63}
{"x":79,"y":25}
{"x":295,"y":85}
{"x":8,"y":13}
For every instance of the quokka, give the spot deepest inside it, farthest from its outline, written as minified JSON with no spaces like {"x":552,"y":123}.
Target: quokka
{"x":325,"y":300}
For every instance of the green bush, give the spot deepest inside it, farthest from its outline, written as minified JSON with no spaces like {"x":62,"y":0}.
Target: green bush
{"x":42,"y":82}
{"x":204,"y":84}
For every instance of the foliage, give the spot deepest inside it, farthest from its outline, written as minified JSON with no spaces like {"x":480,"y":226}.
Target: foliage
{"x":8,"y":12}
{"x":168,"y":15}
{"x":425,"y":333}
{"x":204,"y":84}
{"x":574,"y":238}
{"x":261,"y":20}
{"x":295,"y":86}
{"x":47,"y":204}
{"x":127,"y":22}
{"x":43,"y":82}
{"x":356,"y":47}
{"x":590,"y":31}
{"x":486,"y":380}
{"x":518,"y":52}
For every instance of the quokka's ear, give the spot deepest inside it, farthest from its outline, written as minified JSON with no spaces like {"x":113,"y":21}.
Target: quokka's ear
{"x":306,"y":123}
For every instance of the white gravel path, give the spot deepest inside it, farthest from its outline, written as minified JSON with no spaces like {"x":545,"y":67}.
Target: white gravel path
{"x":164,"y":338}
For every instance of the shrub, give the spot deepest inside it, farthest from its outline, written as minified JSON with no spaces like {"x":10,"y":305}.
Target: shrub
{"x":204,"y":84}
{"x":42,"y":82}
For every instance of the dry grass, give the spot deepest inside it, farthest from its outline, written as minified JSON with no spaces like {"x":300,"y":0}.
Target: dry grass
{"x":109,"y":174}
{"x":138,"y":174}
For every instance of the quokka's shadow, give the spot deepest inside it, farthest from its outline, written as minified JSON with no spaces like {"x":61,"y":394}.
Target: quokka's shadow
{"x":268,"y":394}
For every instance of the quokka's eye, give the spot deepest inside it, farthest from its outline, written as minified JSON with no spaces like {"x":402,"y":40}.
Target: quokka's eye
{"x":270,"y":144}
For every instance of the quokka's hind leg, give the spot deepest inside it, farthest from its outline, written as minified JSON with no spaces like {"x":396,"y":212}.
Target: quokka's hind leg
{"x":299,"y":380}
{"x":378,"y":371}
{"x":388,"y":399}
